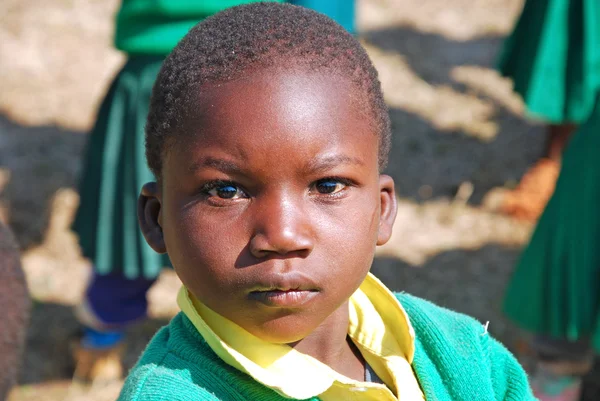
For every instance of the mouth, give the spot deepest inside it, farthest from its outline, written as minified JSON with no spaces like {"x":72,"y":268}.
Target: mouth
{"x":283,"y":298}
{"x":284,"y":291}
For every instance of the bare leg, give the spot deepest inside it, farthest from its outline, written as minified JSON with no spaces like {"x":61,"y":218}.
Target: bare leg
{"x":561,"y":365}
{"x":529,"y":198}
{"x":557,"y":140}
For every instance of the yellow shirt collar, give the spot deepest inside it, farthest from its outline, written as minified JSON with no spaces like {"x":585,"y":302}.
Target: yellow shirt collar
{"x":378,"y":325}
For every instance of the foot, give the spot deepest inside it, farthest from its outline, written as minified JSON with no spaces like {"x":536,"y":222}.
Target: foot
{"x":557,"y":389}
{"x":528,"y":200}
{"x":559,"y":381}
{"x":98,"y":357}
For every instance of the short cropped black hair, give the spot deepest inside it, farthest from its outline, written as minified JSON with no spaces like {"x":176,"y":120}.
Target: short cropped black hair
{"x":258,"y":35}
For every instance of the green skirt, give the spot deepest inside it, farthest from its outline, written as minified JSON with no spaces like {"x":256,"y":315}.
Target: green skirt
{"x":555,"y":289}
{"x":553,"y":58}
{"x":114,"y":171}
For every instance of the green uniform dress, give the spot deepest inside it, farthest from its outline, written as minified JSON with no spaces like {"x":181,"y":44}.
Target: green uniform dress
{"x":553,"y":56}
{"x":115,"y":164}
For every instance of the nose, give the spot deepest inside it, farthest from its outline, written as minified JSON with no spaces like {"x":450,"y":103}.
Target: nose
{"x":281,"y":228}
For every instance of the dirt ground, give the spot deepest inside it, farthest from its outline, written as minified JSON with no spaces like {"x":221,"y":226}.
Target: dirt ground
{"x":458,"y":132}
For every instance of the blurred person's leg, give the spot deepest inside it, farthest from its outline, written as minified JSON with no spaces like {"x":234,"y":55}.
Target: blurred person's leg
{"x":561,"y":365}
{"x":124,"y":265}
{"x":554,"y":291}
{"x":112,"y":303}
{"x":557,"y":139}
{"x":14,"y":315}
{"x":528,"y":199}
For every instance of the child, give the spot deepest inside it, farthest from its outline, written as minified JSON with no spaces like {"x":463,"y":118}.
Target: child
{"x":267,"y":134}
{"x":15,"y":302}
{"x":553,"y":56}
{"x":557,"y":276}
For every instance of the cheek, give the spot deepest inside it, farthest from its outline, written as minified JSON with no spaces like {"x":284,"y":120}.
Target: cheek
{"x":353,"y":229}
{"x":202,"y":249}
{"x":362,"y":216}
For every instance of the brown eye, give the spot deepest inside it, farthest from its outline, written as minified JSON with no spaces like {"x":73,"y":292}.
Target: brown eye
{"x":329,"y":186}
{"x":226,"y":191}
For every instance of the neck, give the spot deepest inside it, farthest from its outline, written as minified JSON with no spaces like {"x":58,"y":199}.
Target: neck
{"x":330,"y":345}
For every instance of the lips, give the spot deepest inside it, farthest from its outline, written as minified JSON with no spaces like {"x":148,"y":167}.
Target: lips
{"x":283,"y":299}
{"x":289,"y":290}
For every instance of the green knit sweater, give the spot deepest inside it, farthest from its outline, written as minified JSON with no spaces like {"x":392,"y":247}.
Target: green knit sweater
{"x":455,"y":360}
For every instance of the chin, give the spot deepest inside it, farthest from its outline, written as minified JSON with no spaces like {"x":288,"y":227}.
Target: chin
{"x":285,"y":330}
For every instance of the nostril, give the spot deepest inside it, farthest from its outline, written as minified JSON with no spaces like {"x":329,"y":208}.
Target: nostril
{"x":289,"y":246}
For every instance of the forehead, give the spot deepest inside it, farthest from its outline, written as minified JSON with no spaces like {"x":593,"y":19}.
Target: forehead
{"x":291,"y":112}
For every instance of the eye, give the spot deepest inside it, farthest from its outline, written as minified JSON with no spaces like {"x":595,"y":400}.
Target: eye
{"x":330,"y":186}
{"x":224,"y":190}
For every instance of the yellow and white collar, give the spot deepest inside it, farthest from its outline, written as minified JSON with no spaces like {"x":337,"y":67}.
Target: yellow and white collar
{"x":378,"y":325}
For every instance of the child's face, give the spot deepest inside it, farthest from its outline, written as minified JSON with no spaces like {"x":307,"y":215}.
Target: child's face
{"x":271,"y":207}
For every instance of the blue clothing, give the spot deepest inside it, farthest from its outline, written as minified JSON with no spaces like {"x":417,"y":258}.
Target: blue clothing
{"x":341,"y":11}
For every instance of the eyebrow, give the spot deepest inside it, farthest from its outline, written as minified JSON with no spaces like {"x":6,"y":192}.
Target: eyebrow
{"x":327,"y":162}
{"x":316,"y":165}
{"x":222,"y":165}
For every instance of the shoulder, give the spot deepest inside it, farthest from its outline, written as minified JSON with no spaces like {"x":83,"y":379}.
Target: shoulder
{"x":440,"y":332}
{"x":425,"y":315}
{"x":451,"y":343}
{"x":178,"y":365}
{"x":150,"y":382}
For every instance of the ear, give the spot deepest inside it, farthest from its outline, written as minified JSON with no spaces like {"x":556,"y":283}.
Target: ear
{"x":148,"y":211}
{"x":389,"y":208}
